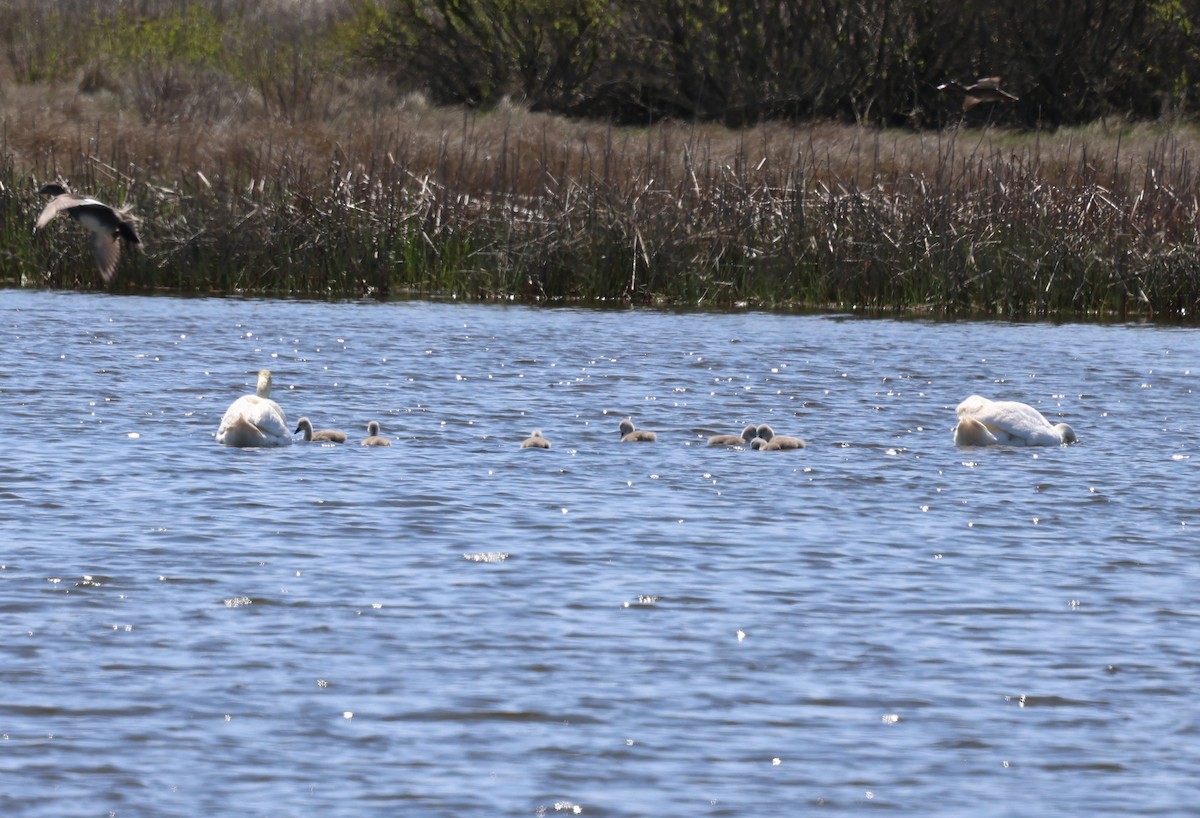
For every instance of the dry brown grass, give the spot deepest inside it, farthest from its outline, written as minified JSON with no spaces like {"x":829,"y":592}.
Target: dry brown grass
{"x":45,"y":125}
{"x":387,"y":194}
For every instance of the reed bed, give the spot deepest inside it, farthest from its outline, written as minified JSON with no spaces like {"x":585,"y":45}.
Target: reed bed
{"x":397,"y":198}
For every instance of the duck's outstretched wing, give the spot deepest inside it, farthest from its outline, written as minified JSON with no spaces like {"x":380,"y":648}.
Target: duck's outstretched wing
{"x":107,"y":250}
{"x":55,"y":206}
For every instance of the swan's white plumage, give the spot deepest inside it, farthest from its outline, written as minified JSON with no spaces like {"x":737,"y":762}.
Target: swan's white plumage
{"x":983,"y":422}
{"x":255,"y":420}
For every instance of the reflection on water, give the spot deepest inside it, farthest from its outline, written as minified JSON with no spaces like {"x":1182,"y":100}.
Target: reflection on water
{"x":457,"y":626}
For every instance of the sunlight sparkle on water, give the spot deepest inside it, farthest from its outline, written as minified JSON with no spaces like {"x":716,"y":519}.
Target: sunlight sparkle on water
{"x":795,"y":550}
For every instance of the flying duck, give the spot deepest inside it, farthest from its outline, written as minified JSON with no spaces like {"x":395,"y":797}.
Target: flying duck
{"x":108,"y":225}
{"x":983,"y":90}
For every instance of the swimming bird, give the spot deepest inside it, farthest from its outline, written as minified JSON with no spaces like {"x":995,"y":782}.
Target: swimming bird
{"x":748,"y":434}
{"x":108,"y":225}
{"x":983,"y":422}
{"x":323,"y":436}
{"x":255,"y":420}
{"x":373,"y":437}
{"x":983,"y":90}
{"x":631,"y":435}
{"x":772,"y":442}
{"x":535,"y":441}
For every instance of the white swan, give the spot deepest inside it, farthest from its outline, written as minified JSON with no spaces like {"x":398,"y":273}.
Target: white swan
{"x":983,"y":422}
{"x":255,"y":420}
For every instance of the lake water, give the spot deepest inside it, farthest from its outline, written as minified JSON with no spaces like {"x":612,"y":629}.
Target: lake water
{"x":454,"y":626}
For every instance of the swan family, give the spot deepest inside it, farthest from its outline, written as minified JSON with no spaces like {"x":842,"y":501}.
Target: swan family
{"x":258,"y":421}
{"x":761,"y":437}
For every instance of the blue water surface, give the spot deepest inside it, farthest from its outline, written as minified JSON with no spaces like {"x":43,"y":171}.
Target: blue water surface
{"x":454,"y":626}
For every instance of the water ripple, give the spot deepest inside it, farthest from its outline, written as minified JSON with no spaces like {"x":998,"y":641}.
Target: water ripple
{"x":877,"y":621}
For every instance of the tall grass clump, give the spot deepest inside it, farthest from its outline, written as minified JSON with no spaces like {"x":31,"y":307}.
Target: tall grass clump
{"x":264,"y":154}
{"x":515,"y":205}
